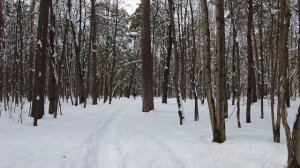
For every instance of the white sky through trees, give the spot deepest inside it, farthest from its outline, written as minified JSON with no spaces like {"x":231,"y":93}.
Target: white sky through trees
{"x":131,"y":5}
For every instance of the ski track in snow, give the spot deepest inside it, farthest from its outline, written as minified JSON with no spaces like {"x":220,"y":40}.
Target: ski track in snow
{"x":170,"y":153}
{"x":89,"y":149}
{"x":106,"y":146}
{"x":107,"y":134}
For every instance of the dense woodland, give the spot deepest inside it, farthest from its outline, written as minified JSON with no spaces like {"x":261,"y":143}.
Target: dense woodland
{"x":214,"y":52}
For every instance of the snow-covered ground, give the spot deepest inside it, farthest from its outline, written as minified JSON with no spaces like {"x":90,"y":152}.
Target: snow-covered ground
{"x":121,"y":136}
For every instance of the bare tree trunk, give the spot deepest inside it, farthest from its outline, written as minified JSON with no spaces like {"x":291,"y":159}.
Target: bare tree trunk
{"x":278,"y":121}
{"x":31,"y":52}
{"x":52,"y":87}
{"x":194,"y":58}
{"x":87,"y":86}
{"x":189,"y":52}
{"x":105,"y":90}
{"x":167,"y":66}
{"x":111,"y":82}
{"x":183,"y":59}
{"x":182,"y":51}
{"x":77,"y":44}
{"x":40,"y":65}
{"x":299,"y":49}
{"x":17,"y":54}
{"x":236,"y":84}
{"x":132,"y":76}
{"x":261,"y":88}
{"x":69,"y":54}
{"x":20,"y":48}
{"x":250,"y":62}
{"x":255,"y":63}
{"x":220,"y":74}
{"x":283,"y":62}
{"x":61,"y":64}
{"x":88,"y":59}
{"x":4,"y":62}
{"x":275,"y":127}
{"x":287,"y":91}
{"x":296,"y":139}
{"x":177,"y":66}
{"x":1,"y":49}
{"x":105,"y":96}
{"x":234,"y":37}
{"x":147,"y":60}
{"x":94,"y":53}
{"x":207,"y":70}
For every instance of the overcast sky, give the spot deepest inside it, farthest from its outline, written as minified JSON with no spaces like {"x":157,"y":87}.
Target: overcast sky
{"x":131,"y":5}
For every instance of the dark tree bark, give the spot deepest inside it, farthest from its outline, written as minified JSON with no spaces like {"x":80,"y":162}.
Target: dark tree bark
{"x":20,"y":53}
{"x":220,"y":74}
{"x":207,"y":70}
{"x":283,"y":66}
{"x":147,"y":60}
{"x":112,"y":73}
{"x":106,"y":75}
{"x":182,"y":50}
{"x":40,"y":65}
{"x":274,"y":58}
{"x":298,"y":67}
{"x":77,"y":44}
{"x":296,"y":139}
{"x":87,"y":86}
{"x":52,"y":87}
{"x":255,"y":63}
{"x":236,"y":88}
{"x":132,"y":77}
{"x":238,"y":83}
{"x":183,"y":60}
{"x":167,"y":66}
{"x":94,"y":53}
{"x":261,"y":86}
{"x":250,"y":61}
{"x":1,"y":49}
{"x":31,"y":52}
{"x":61,"y":64}
{"x":234,"y":36}
{"x":15,"y":77}
{"x":194,"y":58}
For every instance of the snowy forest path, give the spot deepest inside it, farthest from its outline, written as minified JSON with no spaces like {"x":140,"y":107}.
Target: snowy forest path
{"x":100,"y":139}
{"x":125,"y":140}
{"x":121,"y":136}
{"x":103,"y":140}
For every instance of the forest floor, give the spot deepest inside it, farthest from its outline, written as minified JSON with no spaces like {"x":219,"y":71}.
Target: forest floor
{"x":121,"y":136}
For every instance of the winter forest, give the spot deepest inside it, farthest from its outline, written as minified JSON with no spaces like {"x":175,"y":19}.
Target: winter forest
{"x":150,"y":83}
